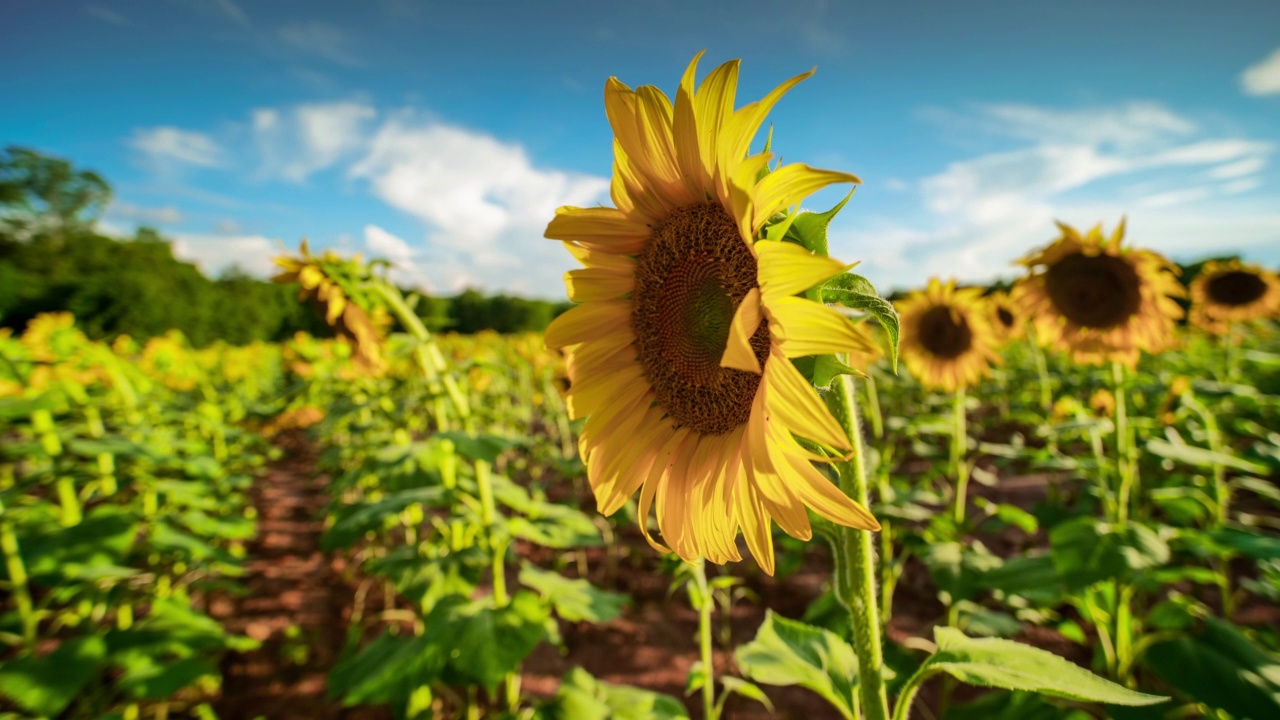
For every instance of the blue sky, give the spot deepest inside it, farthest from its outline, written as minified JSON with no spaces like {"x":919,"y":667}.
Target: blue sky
{"x":442,"y":135}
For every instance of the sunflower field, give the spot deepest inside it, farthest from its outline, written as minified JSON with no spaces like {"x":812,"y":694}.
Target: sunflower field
{"x":732,"y":481}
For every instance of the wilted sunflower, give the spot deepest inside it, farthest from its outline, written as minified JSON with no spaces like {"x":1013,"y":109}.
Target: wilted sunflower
{"x":1099,"y":301}
{"x":1230,"y":291}
{"x":678,"y":354}
{"x":1007,"y":321}
{"x":321,"y":283}
{"x":947,"y":339}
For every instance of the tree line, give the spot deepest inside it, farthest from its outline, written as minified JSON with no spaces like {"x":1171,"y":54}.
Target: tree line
{"x":52,"y":258}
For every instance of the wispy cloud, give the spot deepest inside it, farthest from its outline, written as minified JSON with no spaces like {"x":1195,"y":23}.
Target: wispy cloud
{"x":106,"y":15}
{"x":214,"y":254}
{"x":167,"y":145}
{"x":233,"y":11}
{"x":299,"y":141}
{"x":483,"y":202}
{"x":1264,"y":77}
{"x":322,"y":40}
{"x":983,"y":212}
{"x":167,"y":215}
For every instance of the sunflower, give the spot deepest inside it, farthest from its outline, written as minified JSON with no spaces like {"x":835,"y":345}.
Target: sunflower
{"x":679,"y":351}
{"x":1006,"y":319}
{"x":1230,"y":291}
{"x":326,"y":282}
{"x":947,"y":336}
{"x":1099,"y":301}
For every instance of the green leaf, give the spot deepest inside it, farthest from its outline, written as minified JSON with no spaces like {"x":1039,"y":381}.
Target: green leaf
{"x":1248,"y":542}
{"x":479,"y":447}
{"x":385,"y":671}
{"x":992,"y":662}
{"x":787,"y":652}
{"x":556,"y":526}
{"x":159,"y":678}
{"x":353,"y":521}
{"x":856,"y":292}
{"x":1200,"y":457}
{"x":484,"y":643}
{"x":1087,"y":550}
{"x":46,"y":685}
{"x":583,"y":697}
{"x":1221,"y":668}
{"x":809,"y":229}
{"x":574,"y":600}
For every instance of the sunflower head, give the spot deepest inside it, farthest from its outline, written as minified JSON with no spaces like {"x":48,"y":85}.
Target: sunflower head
{"x":1097,"y":300}
{"x":1007,"y":320}
{"x":680,"y":352}
{"x":947,"y":337}
{"x":334,"y":287}
{"x":1231,"y":291}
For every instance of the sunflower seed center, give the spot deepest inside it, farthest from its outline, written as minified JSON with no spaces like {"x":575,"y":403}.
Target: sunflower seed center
{"x":1236,"y":288}
{"x":690,"y":278}
{"x":1098,"y":292}
{"x":945,"y":333}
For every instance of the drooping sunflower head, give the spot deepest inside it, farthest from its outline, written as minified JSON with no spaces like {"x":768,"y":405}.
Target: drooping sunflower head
{"x":1007,"y":320}
{"x":679,"y":353}
{"x":947,"y":336}
{"x":332,"y":285}
{"x":1099,"y":301}
{"x":1231,"y":291}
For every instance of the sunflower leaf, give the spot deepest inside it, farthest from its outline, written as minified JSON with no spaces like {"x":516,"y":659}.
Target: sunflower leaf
{"x":788,"y":652}
{"x":993,"y":662}
{"x":856,"y":292}
{"x":809,"y":229}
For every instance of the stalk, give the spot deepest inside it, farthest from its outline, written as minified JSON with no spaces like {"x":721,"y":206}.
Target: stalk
{"x":1124,"y":451}
{"x":705,"y":607}
{"x":1233,"y":356}
{"x":855,"y":572}
{"x":18,"y":581}
{"x":959,"y":468}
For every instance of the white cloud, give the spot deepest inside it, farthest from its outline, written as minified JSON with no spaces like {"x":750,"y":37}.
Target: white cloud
{"x":214,"y":254}
{"x":1240,"y":168}
{"x":233,"y":11}
{"x":404,"y":267}
{"x":305,"y":139}
{"x":982,"y":213}
{"x":1264,"y":77}
{"x":484,"y":204}
{"x":167,"y":215}
{"x":167,"y":145}
{"x":1175,"y":197}
{"x":106,"y":15}
{"x":322,"y":40}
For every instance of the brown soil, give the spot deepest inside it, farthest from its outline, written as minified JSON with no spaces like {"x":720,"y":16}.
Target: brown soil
{"x":295,"y":604}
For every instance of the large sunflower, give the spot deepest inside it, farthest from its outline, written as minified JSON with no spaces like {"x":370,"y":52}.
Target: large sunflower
{"x":1230,"y":291}
{"x":1099,"y":301}
{"x":679,"y":353}
{"x":947,"y":338}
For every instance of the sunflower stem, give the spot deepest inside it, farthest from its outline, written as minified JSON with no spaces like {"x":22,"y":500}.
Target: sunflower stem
{"x":1124,"y":452}
{"x":960,"y":468}
{"x":1046,"y":390}
{"x":855,"y":571}
{"x":1233,"y":357}
{"x":705,"y":608}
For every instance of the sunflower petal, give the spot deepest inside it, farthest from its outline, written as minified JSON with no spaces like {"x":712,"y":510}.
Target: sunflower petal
{"x":757,"y":526}
{"x":793,"y":400}
{"x":685,"y":133}
{"x":808,"y":328}
{"x":588,"y":322}
{"x":740,"y":129}
{"x":787,"y":268}
{"x":738,"y":352}
{"x":789,"y":185}
{"x":597,"y":284}
{"x":825,"y":499}
{"x":601,"y":228}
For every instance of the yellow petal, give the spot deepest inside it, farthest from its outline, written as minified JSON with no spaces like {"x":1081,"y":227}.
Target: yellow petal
{"x":685,"y":133}
{"x":738,"y":352}
{"x":597,"y":284}
{"x":655,"y":481}
{"x":817,"y":492}
{"x":789,"y":185}
{"x":740,"y":129}
{"x":741,"y":183}
{"x":793,"y":400}
{"x":588,"y":322}
{"x":714,"y":108}
{"x":787,"y":268}
{"x":594,"y":392}
{"x":757,"y":526}
{"x":804,"y":327}
{"x":598,"y":228}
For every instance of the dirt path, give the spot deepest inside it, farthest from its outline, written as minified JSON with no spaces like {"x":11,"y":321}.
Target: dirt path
{"x":294,"y":604}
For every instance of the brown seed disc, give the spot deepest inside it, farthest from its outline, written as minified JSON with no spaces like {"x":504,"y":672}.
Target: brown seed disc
{"x":1099,"y":292}
{"x":1005,"y":317}
{"x":945,"y":334}
{"x":690,"y":278}
{"x":1236,"y":288}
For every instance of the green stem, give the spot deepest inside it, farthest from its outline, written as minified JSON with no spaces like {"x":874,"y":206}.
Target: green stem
{"x":873,"y":404}
{"x":959,"y":467}
{"x":855,"y":572}
{"x":705,"y":608}
{"x":902,"y":706}
{"x":1233,"y":356}
{"x":18,"y":582}
{"x":1046,"y":389}
{"x":1124,"y":451}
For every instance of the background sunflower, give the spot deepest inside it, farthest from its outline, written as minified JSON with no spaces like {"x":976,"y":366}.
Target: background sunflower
{"x":947,"y":337}
{"x":1231,"y":291}
{"x":1099,"y":301}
